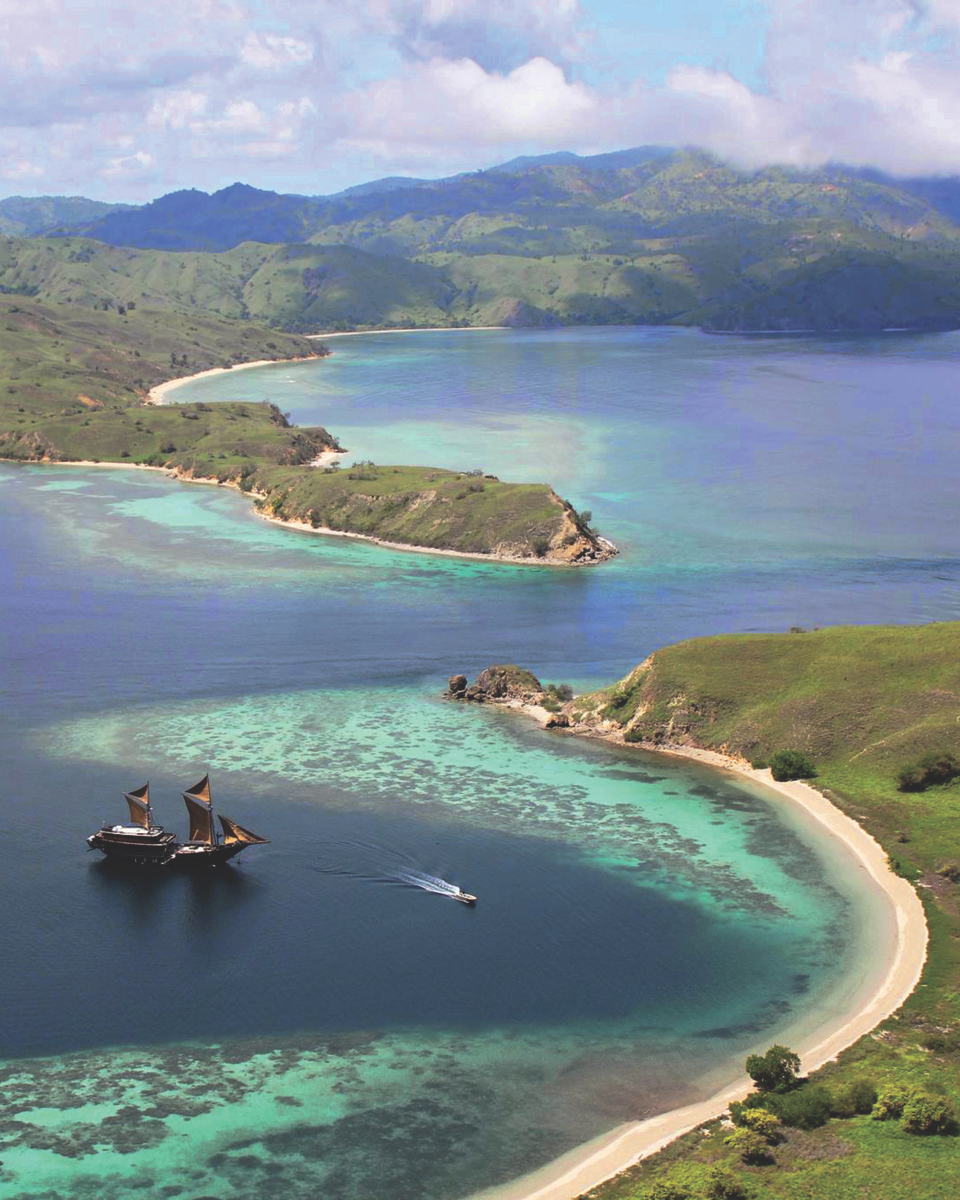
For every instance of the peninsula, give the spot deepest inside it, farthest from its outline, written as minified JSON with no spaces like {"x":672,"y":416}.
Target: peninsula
{"x":869,"y":718}
{"x":79,"y":385}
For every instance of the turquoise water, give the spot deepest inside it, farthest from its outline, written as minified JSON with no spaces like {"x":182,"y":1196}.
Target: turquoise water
{"x":309,"y":1023}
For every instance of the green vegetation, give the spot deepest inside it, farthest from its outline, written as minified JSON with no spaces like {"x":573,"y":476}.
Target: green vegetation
{"x":863,"y":704}
{"x":933,"y":769}
{"x":72,"y":385}
{"x":422,"y":506}
{"x":791,"y":764}
{"x":648,"y":235}
{"x":28,"y":215}
{"x":775,"y":1071}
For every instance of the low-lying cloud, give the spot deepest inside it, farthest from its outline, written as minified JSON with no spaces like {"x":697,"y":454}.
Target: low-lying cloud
{"x":124,"y":101}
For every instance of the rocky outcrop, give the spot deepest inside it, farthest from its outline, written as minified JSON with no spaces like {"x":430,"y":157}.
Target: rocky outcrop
{"x":498,"y":684}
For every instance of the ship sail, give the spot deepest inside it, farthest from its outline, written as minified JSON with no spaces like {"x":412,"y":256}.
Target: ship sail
{"x":197,"y":800}
{"x":138,"y":801}
{"x":233,"y":833}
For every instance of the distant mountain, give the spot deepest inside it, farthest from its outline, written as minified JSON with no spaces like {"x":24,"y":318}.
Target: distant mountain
{"x":646,"y":235}
{"x":29,"y":215}
{"x":546,"y":205}
{"x":392,"y":183}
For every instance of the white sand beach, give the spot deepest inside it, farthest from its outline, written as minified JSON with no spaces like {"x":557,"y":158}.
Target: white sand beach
{"x":156,"y":394}
{"x":590,"y":1164}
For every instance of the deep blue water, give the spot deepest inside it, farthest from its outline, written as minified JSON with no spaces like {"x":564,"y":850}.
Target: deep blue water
{"x":157,"y":629}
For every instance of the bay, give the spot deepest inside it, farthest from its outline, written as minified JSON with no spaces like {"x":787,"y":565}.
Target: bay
{"x":309,"y":1023}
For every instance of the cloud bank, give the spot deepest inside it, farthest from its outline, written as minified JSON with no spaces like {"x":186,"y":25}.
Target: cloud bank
{"x":117,"y":100}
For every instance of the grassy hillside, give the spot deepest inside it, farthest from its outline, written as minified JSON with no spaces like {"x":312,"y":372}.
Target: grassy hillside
{"x":72,"y":385}
{"x":24,"y":216}
{"x":422,"y":506}
{"x":863,"y":703}
{"x":643,"y":236}
{"x":66,"y":359}
{"x":295,"y":287}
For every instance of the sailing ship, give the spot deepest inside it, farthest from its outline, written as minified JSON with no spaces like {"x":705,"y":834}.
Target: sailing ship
{"x":145,"y":844}
{"x":205,"y":847}
{"x":141,"y":842}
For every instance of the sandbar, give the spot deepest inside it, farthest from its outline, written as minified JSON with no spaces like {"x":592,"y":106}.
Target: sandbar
{"x":600,"y":1159}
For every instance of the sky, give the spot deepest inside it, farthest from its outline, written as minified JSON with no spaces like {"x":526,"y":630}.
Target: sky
{"x":119,"y":100}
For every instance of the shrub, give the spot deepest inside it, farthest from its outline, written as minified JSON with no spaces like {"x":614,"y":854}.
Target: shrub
{"x":774,"y":1071}
{"x":721,"y":1184}
{"x":669,"y":1189}
{"x":924,"y":1113}
{"x":739,"y":1108}
{"x":751,"y":1147}
{"x":761,"y":1122}
{"x":168,"y":448}
{"x":808,"y":1108}
{"x":759,"y":764}
{"x":939,"y":1043}
{"x":858,"y":1096}
{"x":791,"y":764}
{"x":540,"y":546}
{"x":928,"y":771}
{"x":892,"y":1102}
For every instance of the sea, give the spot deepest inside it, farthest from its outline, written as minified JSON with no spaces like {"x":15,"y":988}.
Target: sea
{"x":322,"y":1018}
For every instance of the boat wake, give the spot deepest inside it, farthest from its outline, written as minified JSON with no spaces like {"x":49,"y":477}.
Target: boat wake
{"x":380,"y":864}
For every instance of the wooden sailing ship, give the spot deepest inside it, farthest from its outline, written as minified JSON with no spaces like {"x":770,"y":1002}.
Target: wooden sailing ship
{"x":142,"y":843}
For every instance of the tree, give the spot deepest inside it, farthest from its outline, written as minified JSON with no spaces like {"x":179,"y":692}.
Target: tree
{"x":892,"y":1102}
{"x":775,"y":1071}
{"x":926,"y":1113}
{"x":758,"y":1120}
{"x":791,"y":764}
{"x":751,"y":1147}
{"x":721,"y":1184}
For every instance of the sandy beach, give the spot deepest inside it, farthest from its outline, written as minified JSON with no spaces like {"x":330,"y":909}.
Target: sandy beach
{"x":428,"y":329}
{"x":590,"y":1164}
{"x":156,"y":394}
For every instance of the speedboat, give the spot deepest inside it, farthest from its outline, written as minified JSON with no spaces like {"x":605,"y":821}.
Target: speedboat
{"x":464,"y":897}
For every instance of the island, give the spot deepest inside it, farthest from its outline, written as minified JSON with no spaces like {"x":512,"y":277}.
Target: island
{"x":79,"y":385}
{"x":858,"y":725}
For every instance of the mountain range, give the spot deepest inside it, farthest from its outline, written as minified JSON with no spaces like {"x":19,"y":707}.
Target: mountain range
{"x":647,"y":235}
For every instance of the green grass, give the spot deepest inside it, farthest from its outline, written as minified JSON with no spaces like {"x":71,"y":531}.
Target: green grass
{"x":861,"y":702}
{"x":72,"y":383}
{"x":53,"y":354}
{"x":423,"y":506}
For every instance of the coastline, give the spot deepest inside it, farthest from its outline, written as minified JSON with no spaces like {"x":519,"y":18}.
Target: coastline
{"x":587,"y":1166}
{"x":515,"y":559}
{"x":159,"y":391}
{"x":425,"y":329}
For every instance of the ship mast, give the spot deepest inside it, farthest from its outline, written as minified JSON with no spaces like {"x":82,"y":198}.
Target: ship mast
{"x":200,"y":807}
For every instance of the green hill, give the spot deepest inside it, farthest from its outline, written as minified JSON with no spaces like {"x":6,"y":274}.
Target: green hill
{"x":864,"y":704}
{"x":24,"y":216}
{"x":644,"y":236}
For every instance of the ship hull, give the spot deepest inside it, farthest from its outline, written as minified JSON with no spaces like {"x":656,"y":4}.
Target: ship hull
{"x":198,"y":858}
{"x":137,"y":851}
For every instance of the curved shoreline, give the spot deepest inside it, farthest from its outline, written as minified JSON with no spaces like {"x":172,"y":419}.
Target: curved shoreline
{"x":159,"y":390}
{"x":596,"y":1161}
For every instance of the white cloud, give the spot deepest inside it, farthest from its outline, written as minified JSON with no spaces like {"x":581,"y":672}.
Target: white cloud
{"x":127,"y":166}
{"x":269,"y":52}
{"x":442,"y":103}
{"x":23,"y":169}
{"x":177,"y":109}
{"x":214,"y":90}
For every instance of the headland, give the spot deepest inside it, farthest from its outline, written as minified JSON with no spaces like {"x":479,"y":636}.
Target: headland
{"x":728,"y":702}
